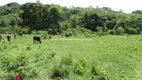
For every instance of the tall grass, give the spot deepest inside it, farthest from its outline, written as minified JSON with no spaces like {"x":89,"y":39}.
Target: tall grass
{"x":100,"y":58}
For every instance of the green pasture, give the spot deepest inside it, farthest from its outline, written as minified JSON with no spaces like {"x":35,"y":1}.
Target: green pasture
{"x":74,"y":58}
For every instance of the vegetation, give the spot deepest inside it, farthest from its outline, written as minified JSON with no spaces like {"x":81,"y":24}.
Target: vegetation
{"x":76,"y":44}
{"x":97,"y":58}
{"x":57,"y":20}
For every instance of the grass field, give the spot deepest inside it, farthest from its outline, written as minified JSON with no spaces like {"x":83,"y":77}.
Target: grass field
{"x":94,"y":58}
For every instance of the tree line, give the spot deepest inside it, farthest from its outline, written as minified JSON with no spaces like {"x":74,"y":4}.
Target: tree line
{"x":57,"y":19}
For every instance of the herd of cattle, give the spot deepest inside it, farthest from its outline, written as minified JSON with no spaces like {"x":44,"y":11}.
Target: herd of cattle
{"x":36,"y":39}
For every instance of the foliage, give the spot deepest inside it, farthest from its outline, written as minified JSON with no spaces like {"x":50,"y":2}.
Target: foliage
{"x":62,"y":69}
{"x":79,"y":68}
{"x":120,"y":30}
{"x":97,"y":75}
{"x":137,"y":12}
{"x":112,"y":60}
{"x":44,"y":34}
{"x":112,"y":32}
{"x":56,"y":19}
{"x":131,"y":31}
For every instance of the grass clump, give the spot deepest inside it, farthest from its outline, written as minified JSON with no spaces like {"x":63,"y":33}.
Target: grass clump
{"x":97,"y":74}
{"x":79,"y":67}
{"x":62,"y":69}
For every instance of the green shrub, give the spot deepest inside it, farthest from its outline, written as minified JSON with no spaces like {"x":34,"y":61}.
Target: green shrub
{"x":66,"y":60}
{"x":5,"y":62}
{"x":84,"y":30}
{"x":112,"y":32}
{"x":94,"y":70}
{"x":131,"y":30}
{"x":30,"y":72}
{"x":97,"y":74}
{"x":101,"y":33}
{"x":138,"y":30}
{"x":60,"y":71}
{"x":3,"y":45}
{"x":79,"y":68}
{"x":120,"y":30}
{"x":29,"y":47}
{"x":44,"y":34}
{"x":16,"y":64}
{"x":35,"y":32}
{"x":103,"y":76}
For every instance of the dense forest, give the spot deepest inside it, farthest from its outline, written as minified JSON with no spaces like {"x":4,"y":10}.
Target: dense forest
{"x":55,"y":19}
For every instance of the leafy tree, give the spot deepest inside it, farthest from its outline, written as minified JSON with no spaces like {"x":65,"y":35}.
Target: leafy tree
{"x":135,"y":21}
{"x":54,"y":18}
{"x":110,"y":21}
{"x":91,"y":21}
{"x":137,"y":12}
{"x":45,"y":17}
{"x":32,"y":15}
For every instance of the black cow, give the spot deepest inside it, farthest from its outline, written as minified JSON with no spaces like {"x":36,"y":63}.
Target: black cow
{"x":20,"y":34}
{"x":68,"y":35}
{"x":50,"y":37}
{"x":8,"y":38}
{"x":36,"y":39}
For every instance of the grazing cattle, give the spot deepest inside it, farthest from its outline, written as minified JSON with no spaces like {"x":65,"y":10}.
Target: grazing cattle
{"x":9,"y":38}
{"x":68,"y":35}
{"x":36,"y":39}
{"x":15,"y":34}
{"x":50,"y":37}
{"x":20,"y":34}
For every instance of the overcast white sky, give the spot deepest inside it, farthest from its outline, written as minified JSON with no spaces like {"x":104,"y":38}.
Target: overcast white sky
{"x":127,"y":5}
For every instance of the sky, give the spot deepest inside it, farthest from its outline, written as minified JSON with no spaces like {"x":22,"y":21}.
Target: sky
{"x":126,"y":5}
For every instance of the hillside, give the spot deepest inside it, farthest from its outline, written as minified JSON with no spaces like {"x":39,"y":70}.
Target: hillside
{"x":63,"y":20}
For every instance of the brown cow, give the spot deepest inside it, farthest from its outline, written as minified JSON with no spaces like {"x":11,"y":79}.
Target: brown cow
{"x":50,"y":36}
{"x":15,"y":34}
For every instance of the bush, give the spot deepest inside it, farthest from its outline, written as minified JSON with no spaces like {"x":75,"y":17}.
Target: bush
{"x":44,"y":34}
{"x":138,"y":30}
{"x":62,"y":70}
{"x":131,"y":31}
{"x":66,"y":60}
{"x":84,"y":30}
{"x":101,"y":33}
{"x":35,"y":32}
{"x":29,"y":47}
{"x":112,"y":32}
{"x":120,"y":30}
{"x":5,"y":30}
{"x":94,"y":70}
{"x":79,"y":68}
{"x":97,"y":75}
